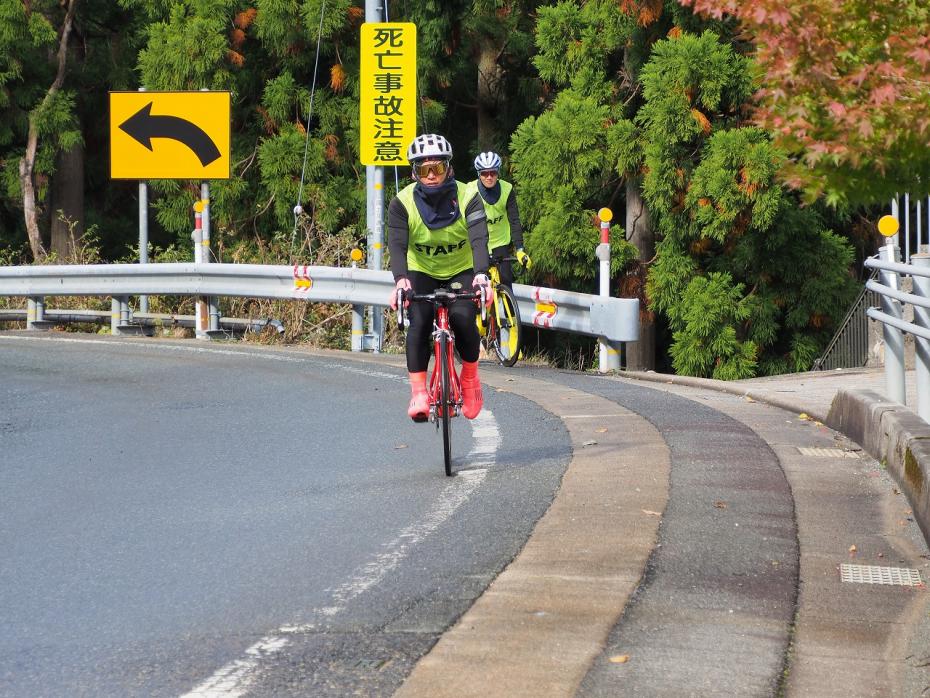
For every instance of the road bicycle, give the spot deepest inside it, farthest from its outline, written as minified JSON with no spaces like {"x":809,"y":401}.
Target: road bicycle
{"x":444,"y":389}
{"x":501,"y":332}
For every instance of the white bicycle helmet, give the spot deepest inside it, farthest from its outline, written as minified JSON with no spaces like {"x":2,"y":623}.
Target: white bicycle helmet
{"x":429,"y":146}
{"x":487,"y":161}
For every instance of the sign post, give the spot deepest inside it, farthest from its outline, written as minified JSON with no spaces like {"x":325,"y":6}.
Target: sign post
{"x":387,"y":122}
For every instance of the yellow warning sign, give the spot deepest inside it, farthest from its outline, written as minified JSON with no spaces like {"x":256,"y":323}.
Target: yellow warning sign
{"x":170,"y":135}
{"x":388,"y":92}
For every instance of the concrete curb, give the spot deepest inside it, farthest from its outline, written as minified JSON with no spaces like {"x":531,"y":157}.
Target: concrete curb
{"x":892,"y":434}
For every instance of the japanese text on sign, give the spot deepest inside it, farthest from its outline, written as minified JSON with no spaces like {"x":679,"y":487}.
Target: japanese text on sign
{"x":388,"y":92}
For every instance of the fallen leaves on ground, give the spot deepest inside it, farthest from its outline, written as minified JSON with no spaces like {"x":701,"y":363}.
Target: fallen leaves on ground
{"x":652,"y":513}
{"x":720,"y":504}
{"x":620,"y":659}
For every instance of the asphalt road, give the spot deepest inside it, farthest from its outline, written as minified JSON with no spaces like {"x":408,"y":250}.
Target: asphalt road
{"x":218,"y":520}
{"x":177,"y":518}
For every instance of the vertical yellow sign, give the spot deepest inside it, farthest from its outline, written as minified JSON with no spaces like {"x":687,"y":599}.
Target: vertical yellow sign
{"x":388,"y":92}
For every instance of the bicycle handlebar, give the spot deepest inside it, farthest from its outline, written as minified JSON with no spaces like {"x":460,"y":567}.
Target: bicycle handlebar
{"x":497,"y":260}
{"x":440,"y":296}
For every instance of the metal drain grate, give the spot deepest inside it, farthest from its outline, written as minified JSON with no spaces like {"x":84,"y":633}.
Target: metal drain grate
{"x":827,"y":452}
{"x":872,"y":574}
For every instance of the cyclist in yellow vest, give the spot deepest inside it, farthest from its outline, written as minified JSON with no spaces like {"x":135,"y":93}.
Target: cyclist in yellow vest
{"x":438,"y":235}
{"x":500,"y":206}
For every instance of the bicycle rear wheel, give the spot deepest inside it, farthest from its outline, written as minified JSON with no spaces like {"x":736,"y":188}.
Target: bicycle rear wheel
{"x":507,"y":344}
{"x":446,"y":402}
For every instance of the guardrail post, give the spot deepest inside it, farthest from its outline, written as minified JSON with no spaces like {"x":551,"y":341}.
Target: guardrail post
{"x":609,"y":357}
{"x":894,"y":338}
{"x":35,"y":313}
{"x":922,"y":319}
{"x":124,"y":310}
{"x":115,"y":316}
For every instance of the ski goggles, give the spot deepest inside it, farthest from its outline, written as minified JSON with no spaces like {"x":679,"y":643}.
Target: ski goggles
{"x":438,"y":168}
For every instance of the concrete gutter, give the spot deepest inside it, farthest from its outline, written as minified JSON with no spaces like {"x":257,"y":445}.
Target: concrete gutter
{"x":734,"y":387}
{"x":889,"y":432}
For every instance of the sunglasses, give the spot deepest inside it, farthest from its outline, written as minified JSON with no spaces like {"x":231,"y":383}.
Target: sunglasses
{"x":488,"y":173}
{"x":437,"y":168}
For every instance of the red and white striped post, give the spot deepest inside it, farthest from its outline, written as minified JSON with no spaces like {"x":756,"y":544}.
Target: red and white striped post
{"x":609,"y":357}
{"x":201,"y":307}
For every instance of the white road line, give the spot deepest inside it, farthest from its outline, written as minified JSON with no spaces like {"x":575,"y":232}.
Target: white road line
{"x":235,"y":678}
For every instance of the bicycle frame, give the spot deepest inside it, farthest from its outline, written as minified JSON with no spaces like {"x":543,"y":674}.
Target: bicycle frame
{"x":501,"y":334}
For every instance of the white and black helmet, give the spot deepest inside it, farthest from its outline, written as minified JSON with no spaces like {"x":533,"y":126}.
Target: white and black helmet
{"x":429,"y":146}
{"x":487,"y":161}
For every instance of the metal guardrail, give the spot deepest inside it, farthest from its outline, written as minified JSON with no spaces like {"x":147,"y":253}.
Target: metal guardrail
{"x":614,"y":319}
{"x":893,"y":325}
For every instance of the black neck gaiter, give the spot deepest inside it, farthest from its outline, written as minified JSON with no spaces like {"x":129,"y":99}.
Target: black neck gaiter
{"x":490,"y":195}
{"x":438,"y":206}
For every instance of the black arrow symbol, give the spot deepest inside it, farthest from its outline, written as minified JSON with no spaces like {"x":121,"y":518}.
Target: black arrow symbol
{"x":143,"y":127}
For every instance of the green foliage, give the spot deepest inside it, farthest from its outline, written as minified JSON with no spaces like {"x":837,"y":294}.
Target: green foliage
{"x":559,"y":162}
{"x":731,"y":230}
{"x":747,"y":280}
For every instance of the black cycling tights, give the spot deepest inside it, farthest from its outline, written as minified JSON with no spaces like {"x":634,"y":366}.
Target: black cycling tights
{"x":461,"y":317}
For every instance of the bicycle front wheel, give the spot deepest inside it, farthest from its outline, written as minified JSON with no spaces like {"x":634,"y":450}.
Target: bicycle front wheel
{"x":507,"y":345}
{"x":446,"y":401}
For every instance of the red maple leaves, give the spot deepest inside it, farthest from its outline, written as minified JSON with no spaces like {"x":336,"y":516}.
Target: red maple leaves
{"x":846,"y":83}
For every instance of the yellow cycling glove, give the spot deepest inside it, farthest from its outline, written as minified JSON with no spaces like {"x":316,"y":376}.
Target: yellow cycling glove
{"x":524,"y":259}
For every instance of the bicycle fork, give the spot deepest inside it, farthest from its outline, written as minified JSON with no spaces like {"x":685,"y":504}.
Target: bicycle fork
{"x":455,"y":388}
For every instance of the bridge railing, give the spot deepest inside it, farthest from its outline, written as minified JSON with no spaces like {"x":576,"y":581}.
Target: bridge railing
{"x":615,"y":320}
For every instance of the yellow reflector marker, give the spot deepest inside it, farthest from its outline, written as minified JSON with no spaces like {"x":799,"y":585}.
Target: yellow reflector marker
{"x":605,"y":214}
{"x":888,"y":226}
{"x":356,"y":255}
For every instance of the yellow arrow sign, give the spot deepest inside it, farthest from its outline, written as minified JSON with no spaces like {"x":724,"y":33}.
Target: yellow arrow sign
{"x":169,"y":135}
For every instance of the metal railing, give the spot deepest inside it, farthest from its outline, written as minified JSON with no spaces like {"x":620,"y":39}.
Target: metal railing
{"x":902,"y":209}
{"x":849,"y":347}
{"x":893,"y":325}
{"x":615,"y":320}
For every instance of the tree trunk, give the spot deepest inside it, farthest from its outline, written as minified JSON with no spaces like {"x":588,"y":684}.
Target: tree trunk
{"x":489,"y":85}
{"x":641,"y":355}
{"x":28,"y":161}
{"x":67,"y":202}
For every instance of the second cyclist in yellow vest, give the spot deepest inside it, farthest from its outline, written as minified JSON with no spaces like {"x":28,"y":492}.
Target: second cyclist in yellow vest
{"x":500,"y":207}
